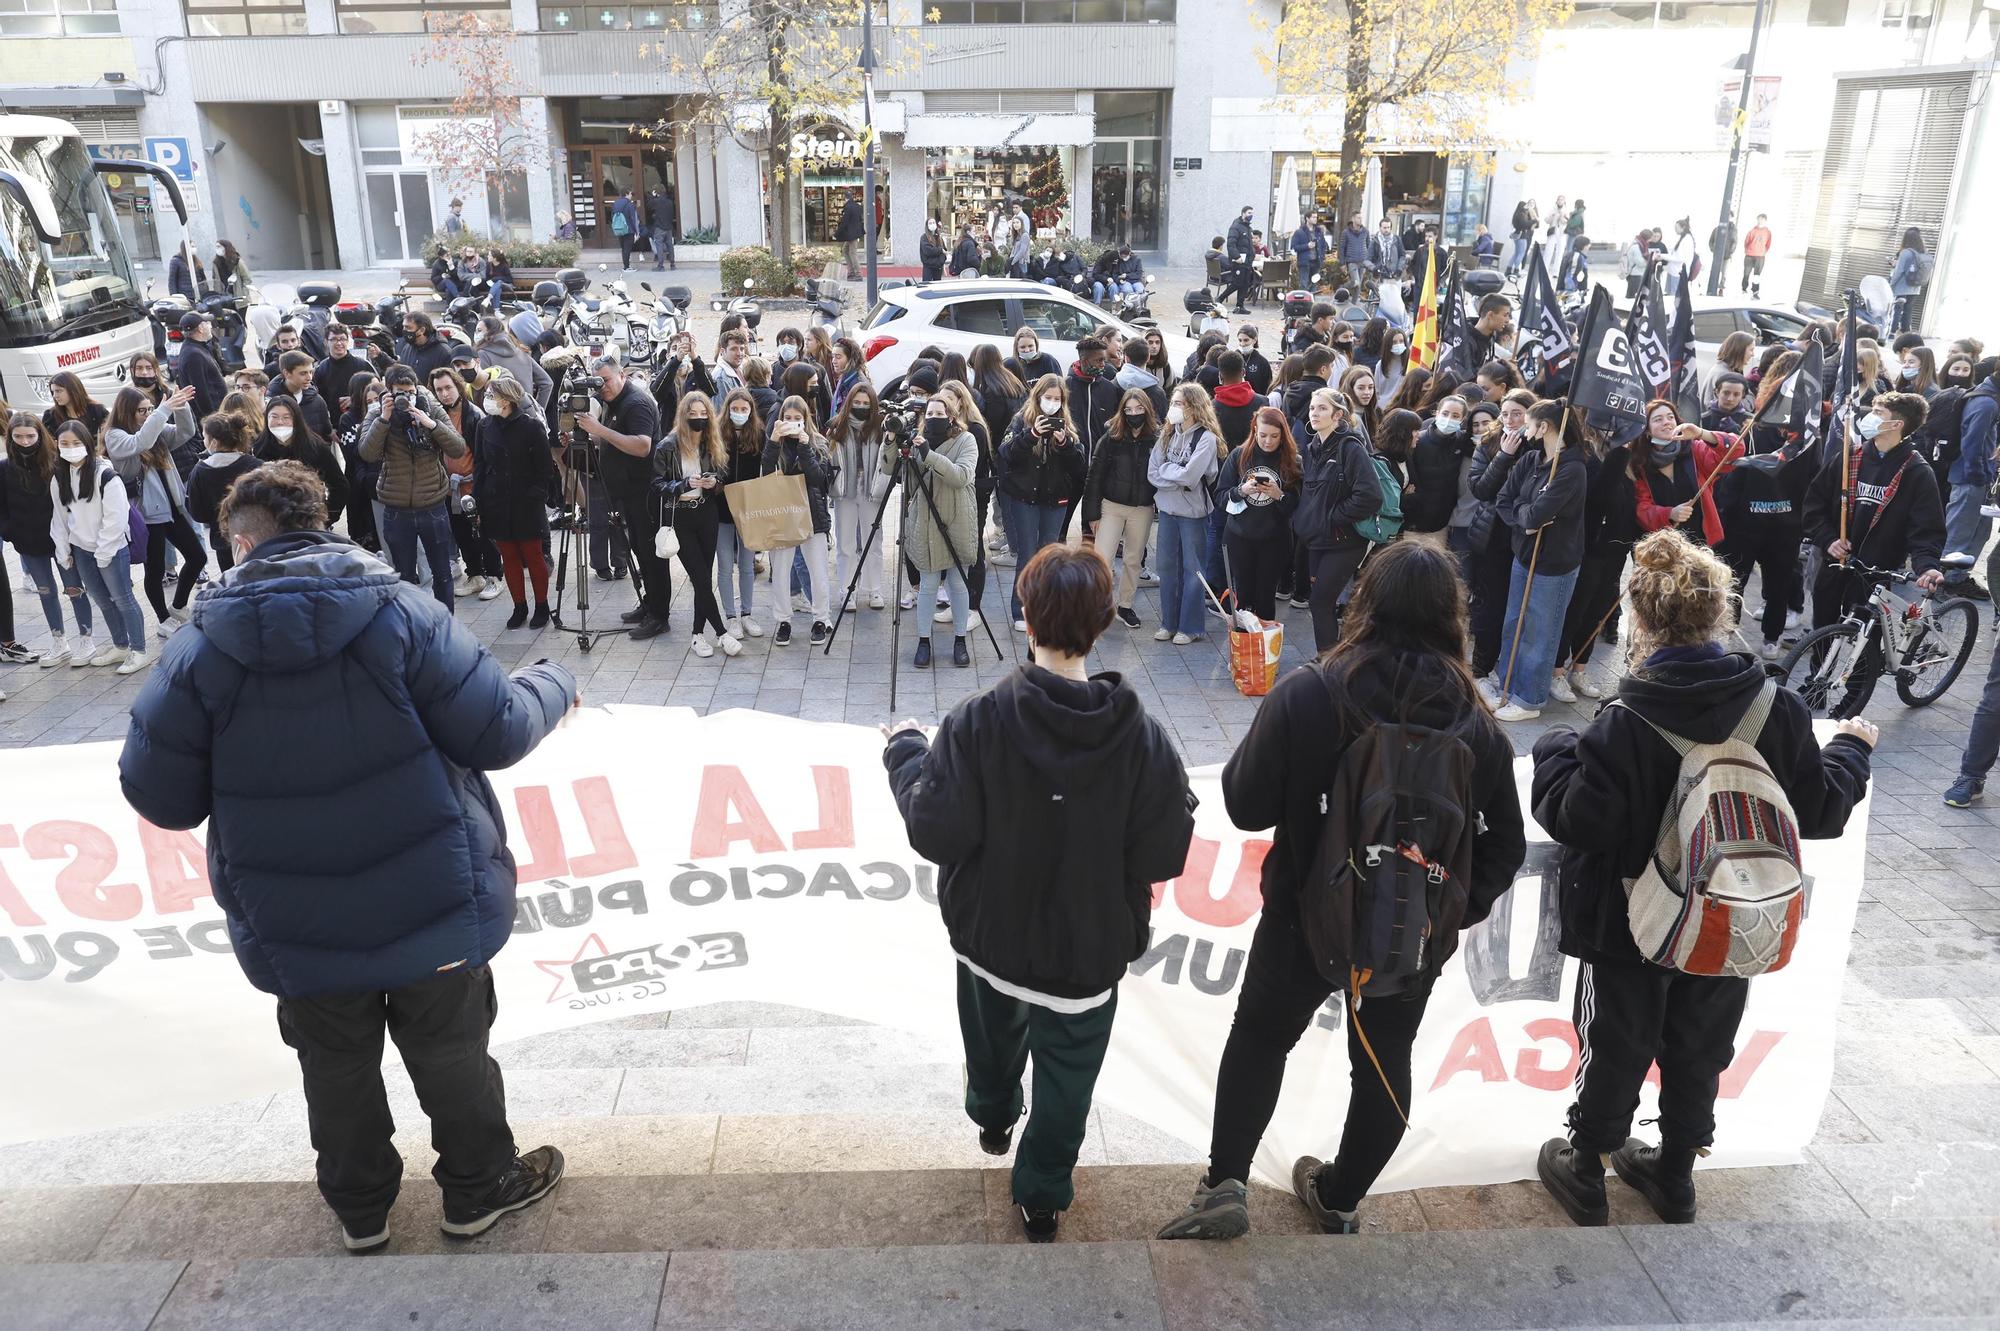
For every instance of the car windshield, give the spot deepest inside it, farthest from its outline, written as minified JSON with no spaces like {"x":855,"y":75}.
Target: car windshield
{"x":84,"y":281}
{"x":1775,"y":327}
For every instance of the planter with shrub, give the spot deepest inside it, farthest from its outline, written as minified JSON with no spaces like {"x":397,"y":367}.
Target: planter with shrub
{"x":519,"y":253}
{"x":769,"y":276}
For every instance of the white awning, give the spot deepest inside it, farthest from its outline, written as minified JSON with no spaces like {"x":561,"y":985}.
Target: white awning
{"x":890,"y":116}
{"x":1000,"y":129}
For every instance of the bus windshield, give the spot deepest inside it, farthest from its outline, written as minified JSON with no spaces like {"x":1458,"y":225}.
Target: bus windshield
{"x":84,"y":282}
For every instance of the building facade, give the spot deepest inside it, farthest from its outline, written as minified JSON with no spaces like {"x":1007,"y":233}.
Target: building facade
{"x":320,"y":133}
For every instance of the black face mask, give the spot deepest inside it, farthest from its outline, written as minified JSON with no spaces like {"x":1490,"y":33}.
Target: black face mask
{"x":698,"y":422}
{"x":937,"y":431}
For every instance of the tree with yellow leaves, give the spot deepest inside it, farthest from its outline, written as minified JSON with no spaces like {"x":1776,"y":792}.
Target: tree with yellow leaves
{"x":1442,"y":64}
{"x":769,"y":70}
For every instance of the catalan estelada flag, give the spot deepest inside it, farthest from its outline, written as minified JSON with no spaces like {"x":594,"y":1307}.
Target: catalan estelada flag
{"x":1424,"y":337}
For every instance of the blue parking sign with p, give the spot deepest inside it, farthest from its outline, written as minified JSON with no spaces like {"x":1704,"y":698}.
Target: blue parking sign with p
{"x":173,"y":155}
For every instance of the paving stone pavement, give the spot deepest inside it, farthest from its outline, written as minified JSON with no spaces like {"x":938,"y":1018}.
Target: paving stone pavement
{"x":750,"y":1166}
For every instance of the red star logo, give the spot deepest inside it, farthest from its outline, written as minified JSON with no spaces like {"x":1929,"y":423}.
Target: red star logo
{"x":562,"y":970}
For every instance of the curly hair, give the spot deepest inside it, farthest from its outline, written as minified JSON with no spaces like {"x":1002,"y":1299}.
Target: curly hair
{"x":276,"y":497}
{"x":1681,"y":594}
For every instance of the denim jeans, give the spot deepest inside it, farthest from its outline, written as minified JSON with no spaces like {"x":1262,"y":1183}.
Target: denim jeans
{"x":1029,"y":528}
{"x":1541,"y":633}
{"x":663,"y":247}
{"x":1982,"y":746}
{"x":732,"y":553}
{"x":1098,"y":290}
{"x":404,"y":530}
{"x":41,"y":571}
{"x":961,"y":600}
{"x":1183,"y":543}
{"x":111,"y":588}
{"x":1519,"y":254}
{"x":1965,"y":531}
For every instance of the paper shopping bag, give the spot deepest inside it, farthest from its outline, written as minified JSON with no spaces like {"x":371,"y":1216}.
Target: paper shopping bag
{"x":771,"y":512}
{"x":1253,"y":658}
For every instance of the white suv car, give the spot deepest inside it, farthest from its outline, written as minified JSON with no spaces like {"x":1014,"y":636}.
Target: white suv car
{"x":962,"y":313}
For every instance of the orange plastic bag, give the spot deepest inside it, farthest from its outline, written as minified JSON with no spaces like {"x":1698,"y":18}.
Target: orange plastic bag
{"x":1253,"y":658}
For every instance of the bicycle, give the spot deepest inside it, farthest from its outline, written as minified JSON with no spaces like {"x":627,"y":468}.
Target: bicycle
{"x":1835,"y":669}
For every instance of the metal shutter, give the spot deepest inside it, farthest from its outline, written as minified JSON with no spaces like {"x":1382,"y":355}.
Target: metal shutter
{"x":102,"y":124}
{"x":1892,"y":154}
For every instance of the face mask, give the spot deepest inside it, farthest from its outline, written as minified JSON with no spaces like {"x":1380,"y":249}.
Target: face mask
{"x":937,"y":431}
{"x":490,"y":404}
{"x":1867,"y":426}
{"x":1398,"y":348}
{"x":739,"y":416}
{"x":1051,"y":405}
{"x":932,"y":225}
{"x":1666,"y":450}
{"x":143,"y":383}
{"x":1175,"y":415}
{"x":1909,"y":371}
{"x":1245,"y":347}
{"x":786,"y":351}
{"x":1446,"y":425}
{"x":281,"y":432}
{"x":73,"y":453}
{"x":698,"y":423}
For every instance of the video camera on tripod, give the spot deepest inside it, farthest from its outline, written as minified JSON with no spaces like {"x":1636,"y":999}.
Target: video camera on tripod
{"x":902,"y":422}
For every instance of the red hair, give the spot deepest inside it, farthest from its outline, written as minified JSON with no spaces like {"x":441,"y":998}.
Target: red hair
{"x":1289,"y":469}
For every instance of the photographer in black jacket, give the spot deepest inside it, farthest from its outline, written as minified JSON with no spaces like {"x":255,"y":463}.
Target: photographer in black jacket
{"x":624,"y":437}
{"x":1051,"y":803}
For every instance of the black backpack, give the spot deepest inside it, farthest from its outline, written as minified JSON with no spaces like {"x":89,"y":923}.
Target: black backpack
{"x":1390,"y":881}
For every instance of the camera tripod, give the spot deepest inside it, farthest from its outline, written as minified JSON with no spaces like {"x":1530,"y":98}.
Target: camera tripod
{"x":923,"y":486}
{"x":576,"y":536}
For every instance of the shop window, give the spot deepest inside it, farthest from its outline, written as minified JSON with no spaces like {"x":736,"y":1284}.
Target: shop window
{"x":614,"y":18}
{"x":987,"y":318}
{"x":245,"y":18}
{"x":1826,"y":13}
{"x":365,"y":16}
{"x":1057,"y":321}
{"x":1051,"y":11}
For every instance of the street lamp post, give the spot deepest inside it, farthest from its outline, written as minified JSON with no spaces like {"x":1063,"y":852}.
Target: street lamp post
{"x":872,"y":232}
{"x":1725,"y":230}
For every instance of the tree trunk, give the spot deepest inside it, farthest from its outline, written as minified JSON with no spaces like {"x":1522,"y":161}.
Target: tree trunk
{"x":781,"y":196}
{"x":1355,"y":109}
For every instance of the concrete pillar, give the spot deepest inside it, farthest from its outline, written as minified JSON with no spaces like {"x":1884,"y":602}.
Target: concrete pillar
{"x":1215,"y":55}
{"x":903,"y":168}
{"x":163,"y":63}
{"x":345,"y":184}
{"x":742,"y":197}
{"x":541,"y":181}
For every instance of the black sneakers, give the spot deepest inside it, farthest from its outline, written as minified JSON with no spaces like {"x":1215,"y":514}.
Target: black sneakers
{"x":961,"y":656}
{"x":1038,"y":1225}
{"x":1220,"y":1212}
{"x":784,"y":636}
{"x":369,"y":1235}
{"x":923,"y":660}
{"x":1128,"y":617}
{"x":1575,"y":1179}
{"x":1665,"y":1178}
{"x":633,"y":616}
{"x":820,"y":633}
{"x":647,"y":627}
{"x":996,"y":1141}
{"x":529,"y":1179}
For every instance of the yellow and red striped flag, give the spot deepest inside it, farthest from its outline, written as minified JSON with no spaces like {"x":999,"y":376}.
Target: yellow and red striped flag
{"x":1424,"y":336}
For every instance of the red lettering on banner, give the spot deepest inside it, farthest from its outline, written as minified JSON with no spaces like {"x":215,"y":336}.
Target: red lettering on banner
{"x":176,"y":868}
{"x":1198,"y":868}
{"x":1744,"y":1066}
{"x":542,"y":835}
{"x":11,"y":901}
{"x":1192,"y":895}
{"x":836,"y":812}
{"x":725,"y":794}
{"x":1472,"y":1050}
{"x":611,"y":849}
{"x":81,"y":885}
{"x":1530,"y":1069}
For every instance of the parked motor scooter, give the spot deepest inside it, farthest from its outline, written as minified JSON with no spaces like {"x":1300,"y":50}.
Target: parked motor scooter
{"x":1135,"y":308}
{"x":656,"y":321}
{"x":745,"y":305}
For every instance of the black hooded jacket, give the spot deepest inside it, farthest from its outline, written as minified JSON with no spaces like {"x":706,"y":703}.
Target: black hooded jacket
{"x":1050,"y":807}
{"x":1436,"y":462}
{"x":1600,"y":794}
{"x":1283,"y":769}
{"x":1895,"y":511}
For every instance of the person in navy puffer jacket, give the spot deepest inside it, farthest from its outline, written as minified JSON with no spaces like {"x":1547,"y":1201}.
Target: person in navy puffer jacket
{"x":333,"y":725}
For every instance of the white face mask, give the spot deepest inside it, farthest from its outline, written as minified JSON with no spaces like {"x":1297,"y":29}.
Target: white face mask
{"x":1051,"y":405}
{"x":739,"y":416}
{"x":73,"y":453}
{"x":281,"y":432}
{"x":1175,"y":415}
{"x":786,"y":351}
{"x":1246,"y":347}
{"x":490,"y":404}
{"x":1398,"y":348}
{"x":1446,"y":425}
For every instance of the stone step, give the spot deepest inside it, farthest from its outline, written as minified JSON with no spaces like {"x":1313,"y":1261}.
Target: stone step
{"x":1916,"y":1274}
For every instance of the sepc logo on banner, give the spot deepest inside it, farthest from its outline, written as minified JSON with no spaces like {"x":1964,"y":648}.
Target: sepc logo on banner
{"x":783,"y":876}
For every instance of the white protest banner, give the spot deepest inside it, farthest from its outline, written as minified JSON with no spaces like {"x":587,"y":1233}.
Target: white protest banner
{"x":669,"y":860}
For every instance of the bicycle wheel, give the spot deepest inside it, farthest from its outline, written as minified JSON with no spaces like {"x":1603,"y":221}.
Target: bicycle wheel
{"x":1821,"y":671}
{"x":1937,"y":652}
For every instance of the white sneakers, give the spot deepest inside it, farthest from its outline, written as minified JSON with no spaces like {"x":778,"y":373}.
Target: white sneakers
{"x":751,"y":627}
{"x":1580,"y":684}
{"x":1489,"y":689}
{"x":701,"y":645}
{"x":876,"y":601}
{"x":1514,"y":711}
{"x":730,"y":645}
{"x":943,"y":615}
{"x":133,"y":663}
{"x":491,"y":589}
{"x":110,"y":654}
{"x":1771,"y":651}
{"x":465,"y":586}
{"x":1560,"y":690}
{"x":57,"y":654}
